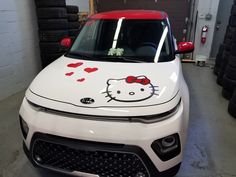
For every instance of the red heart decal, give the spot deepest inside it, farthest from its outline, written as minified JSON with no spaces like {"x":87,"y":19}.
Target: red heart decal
{"x":90,"y":70}
{"x":81,"y":80}
{"x":75,"y":65}
{"x":69,"y":74}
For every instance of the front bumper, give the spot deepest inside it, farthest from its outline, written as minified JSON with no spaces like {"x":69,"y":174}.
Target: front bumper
{"x":139,"y":136}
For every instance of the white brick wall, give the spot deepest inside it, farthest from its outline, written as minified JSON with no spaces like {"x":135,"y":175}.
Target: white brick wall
{"x":19,"y":51}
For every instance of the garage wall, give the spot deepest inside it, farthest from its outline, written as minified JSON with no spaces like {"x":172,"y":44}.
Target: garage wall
{"x":19,"y":51}
{"x":203,"y":8}
{"x":83,"y":4}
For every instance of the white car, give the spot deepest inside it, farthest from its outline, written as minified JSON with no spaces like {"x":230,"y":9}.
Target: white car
{"x":116,"y":105}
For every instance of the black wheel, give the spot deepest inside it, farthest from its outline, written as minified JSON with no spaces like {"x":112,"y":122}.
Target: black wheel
{"x":53,"y":36}
{"x":233,"y":10}
{"x":53,"y":24}
{"x":73,"y":17}
{"x":216,"y":70}
{"x":232,"y":21}
{"x":74,"y":25}
{"x":51,"y":47}
{"x":233,"y":99}
{"x":73,"y":32}
{"x":49,"y":58}
{"x":230,"y":32}
{"x":228,"y":84}
{"x":228,"y":41}
{"x":233,"y":49}
{"x":223,"y":67}
{"x":72,"y":9}
{"x":230,"y":72}
{"x":232,"y":109}
{"x":54,"y":13}
{"x":50,"y":3}
{"x":219,"y":56}
{"x":227,"y":94}
{"x":232,"y":61}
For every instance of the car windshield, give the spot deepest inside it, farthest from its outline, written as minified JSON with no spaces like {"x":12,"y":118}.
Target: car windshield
{"x":123,"y":40}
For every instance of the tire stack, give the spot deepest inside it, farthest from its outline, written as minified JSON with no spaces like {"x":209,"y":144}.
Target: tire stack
{"x":225,"y":67}
{"x":55,"y":22}
{"x":73,"y":21}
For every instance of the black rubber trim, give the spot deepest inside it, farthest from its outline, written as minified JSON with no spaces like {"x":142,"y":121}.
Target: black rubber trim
{"x":92,"y":146}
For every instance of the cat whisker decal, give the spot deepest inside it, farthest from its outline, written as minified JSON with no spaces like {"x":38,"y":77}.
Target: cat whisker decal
{"x":130,"y":89}
{"x":105,"y":92}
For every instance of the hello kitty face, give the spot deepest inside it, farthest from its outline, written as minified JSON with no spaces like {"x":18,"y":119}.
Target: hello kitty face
{"x":130,"y":89}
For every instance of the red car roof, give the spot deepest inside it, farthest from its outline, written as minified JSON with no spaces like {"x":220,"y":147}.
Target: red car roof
{"x":131,"y":14}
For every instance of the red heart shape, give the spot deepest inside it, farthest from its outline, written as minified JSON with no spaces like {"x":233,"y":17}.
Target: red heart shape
{"x":90,"y":70}
{"x":75,"y":65}
{"x":69,"y":74}
{"x":81,"y":80}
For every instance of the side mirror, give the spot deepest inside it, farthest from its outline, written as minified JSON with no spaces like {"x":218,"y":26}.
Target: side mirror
{"x":66,"y":42}
{"x":185,"y":47}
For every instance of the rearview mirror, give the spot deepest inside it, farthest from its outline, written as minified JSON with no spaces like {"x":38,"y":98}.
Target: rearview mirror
{"x":66,"y":42}
{"x":185,"y":47}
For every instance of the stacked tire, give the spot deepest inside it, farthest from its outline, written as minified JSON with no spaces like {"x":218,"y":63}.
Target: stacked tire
{"x":73,"y":21}
{"x":55,"y":22}
{"x":225,"y":66}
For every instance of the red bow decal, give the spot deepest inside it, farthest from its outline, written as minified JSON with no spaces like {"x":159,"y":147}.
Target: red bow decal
{"x":141,"y":80}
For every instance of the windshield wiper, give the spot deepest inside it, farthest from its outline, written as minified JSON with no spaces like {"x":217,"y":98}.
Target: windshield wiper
{"x":124,"y":58}
{"x":78,"y":55}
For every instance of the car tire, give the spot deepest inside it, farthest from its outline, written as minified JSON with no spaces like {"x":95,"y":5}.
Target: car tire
{"x":232,"y":108}
{"x":232,"y":61}
{"x":49,"y":58}
{"x":50,"y":3}
{"x":72,"y":9}
{"x":74,"y":32}
{"x":51,"y":47}
{"x":228,"y":84}
{"x":73,"y":17}
{"x":230,"y":72}
{"x":228,"y":41}
{"x":52,"y":56}
{"x":227,"y":94}
{"x":74,"y":25}
{"x":51,"y":13}
{"x":219,"y":56}
{"x":233,"y":10}
{"x":233,"y":49}
{"x":53,"y":24}
{"x":232,"y":21}
{"x":223,"y":67}
{"x":53,"y":36}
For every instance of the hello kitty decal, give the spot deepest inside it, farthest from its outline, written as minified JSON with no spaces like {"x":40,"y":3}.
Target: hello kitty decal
{"x":130,"y":89}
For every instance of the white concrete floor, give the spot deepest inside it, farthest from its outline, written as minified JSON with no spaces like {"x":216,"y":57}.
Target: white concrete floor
{"x":210,"y":150}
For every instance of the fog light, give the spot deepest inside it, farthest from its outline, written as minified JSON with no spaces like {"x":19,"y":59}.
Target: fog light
{"x":167,"y":147}
{"x":168,"y":141}
{"x":24,"y":127}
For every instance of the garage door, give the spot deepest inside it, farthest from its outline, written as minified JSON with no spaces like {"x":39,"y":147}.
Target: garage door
{"x":178,"y":11}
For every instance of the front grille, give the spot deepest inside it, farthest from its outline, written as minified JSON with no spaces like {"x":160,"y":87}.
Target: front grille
{"x":93,"y":160}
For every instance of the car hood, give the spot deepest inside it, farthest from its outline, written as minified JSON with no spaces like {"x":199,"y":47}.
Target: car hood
{"x":93,"y":84}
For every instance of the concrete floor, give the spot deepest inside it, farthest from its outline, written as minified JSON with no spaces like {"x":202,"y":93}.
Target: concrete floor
{"x":210,"y":150}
